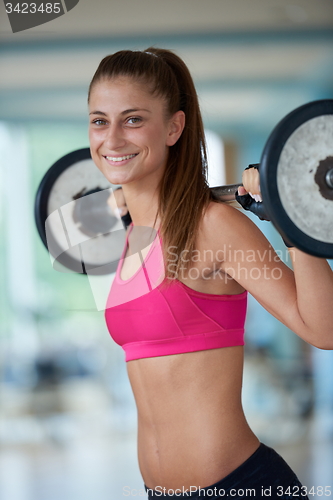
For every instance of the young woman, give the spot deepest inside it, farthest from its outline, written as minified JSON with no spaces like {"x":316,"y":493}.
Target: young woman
{"x":179,"y":310}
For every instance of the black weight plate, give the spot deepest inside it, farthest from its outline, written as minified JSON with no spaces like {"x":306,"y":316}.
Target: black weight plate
{"x":294,"y":153}
{"x":73,"y":218}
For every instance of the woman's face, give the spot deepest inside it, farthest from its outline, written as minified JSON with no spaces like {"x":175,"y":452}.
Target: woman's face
{"x":129,"y":132}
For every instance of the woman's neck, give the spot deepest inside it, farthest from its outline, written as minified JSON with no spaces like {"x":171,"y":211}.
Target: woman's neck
{"x":142,"y":205}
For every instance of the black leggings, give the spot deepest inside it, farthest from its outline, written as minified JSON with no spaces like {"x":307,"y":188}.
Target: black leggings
{"x":264,"y":474}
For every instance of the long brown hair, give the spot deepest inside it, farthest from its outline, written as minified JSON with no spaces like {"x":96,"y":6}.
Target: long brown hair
{"x":184,"y":193}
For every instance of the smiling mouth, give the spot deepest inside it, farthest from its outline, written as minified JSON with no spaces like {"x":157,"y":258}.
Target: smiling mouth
{"x":121,"y":158}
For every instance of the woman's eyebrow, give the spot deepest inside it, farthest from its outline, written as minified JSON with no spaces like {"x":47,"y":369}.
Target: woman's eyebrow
{"x":133,"y":110}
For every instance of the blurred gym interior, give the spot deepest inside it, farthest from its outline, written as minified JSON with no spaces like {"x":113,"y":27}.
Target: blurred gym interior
{"x":67,"y":415}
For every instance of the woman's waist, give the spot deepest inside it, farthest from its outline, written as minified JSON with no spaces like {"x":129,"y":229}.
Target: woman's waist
{"x":184,"y":410}
{"x":178,"y":383}
{"x":201,"y":417}
{"x":189,"y":412}
{"x":183,"y":421}
{"x":198,"y":451}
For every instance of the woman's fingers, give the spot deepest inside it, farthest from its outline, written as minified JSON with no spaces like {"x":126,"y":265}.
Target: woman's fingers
{"x":257,"y":197}
{"x":250,"y":180}
{"x":241,"y":191}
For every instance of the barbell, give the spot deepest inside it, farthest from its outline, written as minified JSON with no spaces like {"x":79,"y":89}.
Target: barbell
{"x":82,"y":235}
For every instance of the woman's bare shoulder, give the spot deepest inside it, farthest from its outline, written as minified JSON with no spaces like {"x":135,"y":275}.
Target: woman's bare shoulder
{"x":226,"y":217}
{"x":225,"y":226}
{"x":216,"y":209}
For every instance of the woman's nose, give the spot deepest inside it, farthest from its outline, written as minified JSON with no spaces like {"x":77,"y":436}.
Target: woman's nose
{"x":115,"y":138}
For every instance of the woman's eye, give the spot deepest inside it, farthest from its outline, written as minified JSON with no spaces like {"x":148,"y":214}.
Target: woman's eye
{"x":99,"y":122}
{"x":134,"y":120}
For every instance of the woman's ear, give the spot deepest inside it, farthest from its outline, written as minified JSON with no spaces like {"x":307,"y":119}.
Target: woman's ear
{"x":176,"y":127}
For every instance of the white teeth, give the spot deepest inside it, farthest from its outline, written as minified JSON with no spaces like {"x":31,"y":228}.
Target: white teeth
{"x":120,"y":158}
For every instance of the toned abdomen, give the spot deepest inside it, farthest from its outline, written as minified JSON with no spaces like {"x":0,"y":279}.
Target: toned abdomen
{"x":191,"y":427}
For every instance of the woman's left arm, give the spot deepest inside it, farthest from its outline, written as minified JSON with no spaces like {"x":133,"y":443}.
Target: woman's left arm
{"x":313,"y":278}
{"x":301,"y":298}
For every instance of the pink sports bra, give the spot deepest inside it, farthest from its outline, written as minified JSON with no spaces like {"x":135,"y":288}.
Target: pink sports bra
{"x":148,"y":321}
